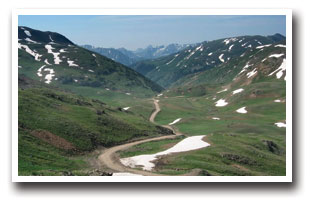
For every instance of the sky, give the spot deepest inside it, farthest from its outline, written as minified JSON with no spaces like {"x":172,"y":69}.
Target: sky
{"x":139,"y":31}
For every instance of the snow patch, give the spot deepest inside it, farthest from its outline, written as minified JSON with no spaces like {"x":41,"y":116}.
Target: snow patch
{"x":247,"y":65}
{"x":27,"y":33}
{"x":175,"y":121}
{"x":188,"y":144}
{"x":258,"y":42}
{"x":94,"y":55}
{"x":125,"y":174}
{"x":49,"y":48}
{"x":40,"y":70}
{"x":280,"y":45}
{"x":280,"y":70}
{"x":221,"y":103}
{"x":280,"y":124}
{"x":222,"y":91}
{"x":221,"y":58}
{"x":175,"y":56}
{"x":215,"y":118}
{"x":279,"y":101}
{"x":228,"y":40}
{"x":46,"y":61}
{"x":126,"y":108}
{"x":29,"y":51}
{"x":191,"y":54}
{"x":252,"y":73}
{"x":276,"y":55}
{"x":237,"y":91}
{"x":91,"y":71}
{"x":128,"y":94}
{"x":200,"y":48}
{"x":244,"y":44}
{"x":242,"y":110}
{"x":262,"y":46}
{"x":264,"y":59}
{"x":49,"y":76}
{"x":71,"y":63}
{"x":159,"y":95}
{"x":31,"y":41}
{"x":230,"y":47}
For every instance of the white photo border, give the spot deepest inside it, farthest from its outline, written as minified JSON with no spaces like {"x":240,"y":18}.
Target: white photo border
{"x":289,"y":132}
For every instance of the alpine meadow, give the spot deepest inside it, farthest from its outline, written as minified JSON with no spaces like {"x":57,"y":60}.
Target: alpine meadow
{"x":186,"y":104}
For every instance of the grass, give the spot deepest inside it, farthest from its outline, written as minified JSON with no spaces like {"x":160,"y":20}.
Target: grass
{"x":36,"y":157}
{"x":83,"y":123}
{"x":78,"y":121}
{"x":87,"y":115}
{"x":241,"y":144}
{"x":150,"y":147}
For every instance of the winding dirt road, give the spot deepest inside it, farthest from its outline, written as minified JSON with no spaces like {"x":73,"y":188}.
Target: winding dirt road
{"x":157,"y":109}
{"x":109,"y":159}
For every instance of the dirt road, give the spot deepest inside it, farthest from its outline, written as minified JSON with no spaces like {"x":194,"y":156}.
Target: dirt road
{"x":157,"y":109}
{"x":109,"y":159}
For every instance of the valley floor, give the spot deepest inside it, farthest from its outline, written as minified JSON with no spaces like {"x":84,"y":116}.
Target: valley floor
{"x":242,"y":143}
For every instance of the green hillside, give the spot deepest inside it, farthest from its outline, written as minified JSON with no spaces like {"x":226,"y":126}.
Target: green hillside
{"x":240,"y":106}
{"x":55,"y":126}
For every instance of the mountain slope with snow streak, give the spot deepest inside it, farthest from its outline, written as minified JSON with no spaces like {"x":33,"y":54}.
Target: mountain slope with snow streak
{"x":168,"y":71}
{"x":258,"y":64}
{"x":70,"y":66}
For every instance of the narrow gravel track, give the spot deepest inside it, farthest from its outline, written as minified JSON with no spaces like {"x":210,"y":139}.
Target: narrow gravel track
{"x":109,"y":159}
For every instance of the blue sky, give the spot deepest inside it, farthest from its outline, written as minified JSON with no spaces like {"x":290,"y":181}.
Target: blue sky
{"x":137,"y":31}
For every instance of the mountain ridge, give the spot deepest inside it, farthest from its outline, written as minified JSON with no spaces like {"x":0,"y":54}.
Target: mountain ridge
{"x":206,"y":55}
{"x":52,"y":58}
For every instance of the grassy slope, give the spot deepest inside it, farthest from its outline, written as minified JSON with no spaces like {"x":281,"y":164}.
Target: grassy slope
{"x":106,"y":73}
{"x":83,"y":122}
{"x":241,"y":144}
{"x":36,"y":157}
{"x":226,"y":72}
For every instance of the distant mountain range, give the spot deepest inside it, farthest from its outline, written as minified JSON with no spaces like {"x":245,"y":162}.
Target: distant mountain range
{"x":129,"y":57}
